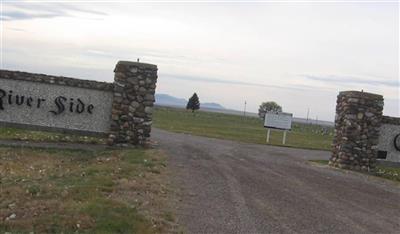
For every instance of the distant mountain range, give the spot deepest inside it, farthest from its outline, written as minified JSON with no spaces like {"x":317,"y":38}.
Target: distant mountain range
{"x":168,"y":100}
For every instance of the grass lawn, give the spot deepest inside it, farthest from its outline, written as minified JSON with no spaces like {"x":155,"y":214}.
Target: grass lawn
{"x":23,"y":134}
{"x":232,"y":127}
{"x":391,"y":173}
{"x":70,"y":191}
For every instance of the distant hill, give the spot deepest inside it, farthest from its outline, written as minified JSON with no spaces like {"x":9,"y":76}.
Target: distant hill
{"x":168,"y":100}
{"x":211,"y":105}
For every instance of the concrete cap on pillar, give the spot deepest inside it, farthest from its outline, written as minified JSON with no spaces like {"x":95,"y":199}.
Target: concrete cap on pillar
{"x":353,"y":93}
{"x":123,"y":66}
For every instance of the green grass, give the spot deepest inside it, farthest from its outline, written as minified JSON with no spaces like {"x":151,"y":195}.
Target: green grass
{"x":75,"y":191}
{"x":115,"y":217}
{"x":42,"y":136}
{"x":237,"y":128}
{"x":391,"y":173}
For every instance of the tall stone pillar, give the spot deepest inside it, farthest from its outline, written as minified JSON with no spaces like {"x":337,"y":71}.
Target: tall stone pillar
{"x":357,"y":122}
{"x":134,"y":88}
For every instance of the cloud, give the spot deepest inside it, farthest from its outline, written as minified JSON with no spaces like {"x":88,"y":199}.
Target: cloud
{"x":18,"y":15}
{"x":233,"y":82}
{"x":26,"y":11}
{"x":99,"y":53}
{"x":341,"y":80}
{"x":16,"y":29}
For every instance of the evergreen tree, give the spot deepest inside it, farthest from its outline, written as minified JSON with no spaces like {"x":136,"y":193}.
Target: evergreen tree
{"x":193,"y":103}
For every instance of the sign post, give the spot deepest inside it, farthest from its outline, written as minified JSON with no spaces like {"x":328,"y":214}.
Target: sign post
{"x":280,"y":121}
{"x":284,"y":137}
{"x":268,"y":132}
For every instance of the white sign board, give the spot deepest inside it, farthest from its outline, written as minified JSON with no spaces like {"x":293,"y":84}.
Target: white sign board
{"x":278,"y":120}
{"x":55,"y":106}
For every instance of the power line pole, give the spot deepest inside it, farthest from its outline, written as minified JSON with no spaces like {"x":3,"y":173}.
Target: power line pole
{"x":308,"y":113}
{"x":244,"y":111}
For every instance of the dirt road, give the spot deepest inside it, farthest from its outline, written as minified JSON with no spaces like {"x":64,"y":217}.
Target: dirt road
{"x":230,"y":187}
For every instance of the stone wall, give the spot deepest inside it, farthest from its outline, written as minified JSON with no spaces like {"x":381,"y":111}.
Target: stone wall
{"x":390,"y":120}
{"x":56,"y":103}
{"x":122,"y":110}
{"x":387,"y":146}
{"x":55,"y":80}
{"x":357,"y":123}
{"x":132,"y":109}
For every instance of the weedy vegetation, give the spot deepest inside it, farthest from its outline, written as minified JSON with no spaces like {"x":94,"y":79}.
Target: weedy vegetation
{"x":76,"y":191}
{"x":388,"y":172}
{"x":41,"y":136}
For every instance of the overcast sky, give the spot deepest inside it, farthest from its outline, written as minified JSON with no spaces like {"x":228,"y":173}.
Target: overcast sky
{"x":297,"y":54}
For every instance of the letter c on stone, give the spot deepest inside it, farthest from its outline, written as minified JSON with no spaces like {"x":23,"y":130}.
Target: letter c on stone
{"x":396,"y":142}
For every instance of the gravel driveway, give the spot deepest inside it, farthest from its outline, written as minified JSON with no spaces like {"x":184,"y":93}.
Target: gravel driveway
{"x":229,"y":187}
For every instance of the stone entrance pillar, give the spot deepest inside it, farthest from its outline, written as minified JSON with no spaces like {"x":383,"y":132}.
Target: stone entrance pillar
{"x":357,"y":122}
{"x":134,"y":88}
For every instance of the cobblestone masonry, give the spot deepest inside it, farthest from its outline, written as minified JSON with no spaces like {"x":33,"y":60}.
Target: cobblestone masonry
{"x":55,"y":80}
{"x":134,"y":88}
{"x":132,"y":96}
{"x":390,"y":120}
{"x":357,"y":122}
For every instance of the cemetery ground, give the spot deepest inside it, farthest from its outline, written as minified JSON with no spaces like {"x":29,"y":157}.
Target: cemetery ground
{"x":83,"y":191}
{"x":192,"y":183}
{"x":239,"y":128}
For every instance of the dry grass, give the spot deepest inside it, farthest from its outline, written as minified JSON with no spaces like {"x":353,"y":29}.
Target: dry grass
{"x":43,"y":136}
{"x":53,"y":191}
